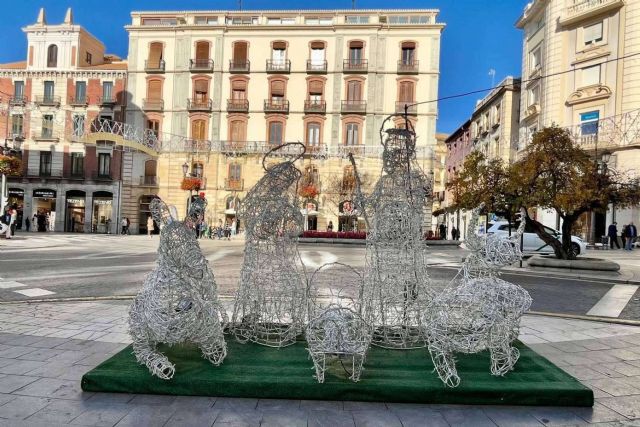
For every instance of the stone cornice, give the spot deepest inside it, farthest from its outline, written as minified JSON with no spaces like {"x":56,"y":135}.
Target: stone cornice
{"x":121,"y":74}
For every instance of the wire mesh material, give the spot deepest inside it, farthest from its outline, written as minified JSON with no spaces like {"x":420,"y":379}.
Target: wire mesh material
{"x":336,"y":331}
{"x":478,"y":311}
{"x":178,"y":301}
{"x":270,"y":304}
{"x":397,"y":289}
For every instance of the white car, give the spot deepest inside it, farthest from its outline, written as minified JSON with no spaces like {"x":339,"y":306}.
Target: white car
{"x":531,"y":242}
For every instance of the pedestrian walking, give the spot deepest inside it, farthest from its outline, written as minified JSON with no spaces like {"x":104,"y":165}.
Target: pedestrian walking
{"x":623,"y":236}
{"x":6,"y":224}
{"x":123,"y":224}
{"x":330,"y":226}
{"x":14,"y":219}
{"x":34,"y":222}
{"x":612,"y":233}
{"x":234,"y":226}
{"x":443,"y":231}
{"x":27,"y":224}
{"x":150,"y":226}
{"x":227,"y":231}
{"x":128,"y":225}
{"x":454,"y":231}
{"x":632,"y":233}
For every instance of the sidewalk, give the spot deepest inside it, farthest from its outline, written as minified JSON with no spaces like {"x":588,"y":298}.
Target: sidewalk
{"x":46,"y":348}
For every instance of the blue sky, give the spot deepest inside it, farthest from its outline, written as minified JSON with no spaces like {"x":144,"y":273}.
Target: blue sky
{"x":479,"y":36}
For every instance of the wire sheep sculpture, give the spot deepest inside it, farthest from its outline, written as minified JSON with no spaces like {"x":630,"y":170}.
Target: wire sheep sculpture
{"x":478,"y":310}
{"x":397,"y":288}
{"x":271,"y":299}
{"x":336,"y":330}
{"x":178,"y":302}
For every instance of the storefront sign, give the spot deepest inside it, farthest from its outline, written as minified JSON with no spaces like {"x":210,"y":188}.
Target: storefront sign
{"x":75,"y":201}
{"x":102,"y":202}
{"x":16,"y":192}
{"x":45,"y":194}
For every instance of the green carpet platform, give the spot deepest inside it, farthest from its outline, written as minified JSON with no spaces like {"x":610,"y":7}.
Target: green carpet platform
{"x":255,"y":371}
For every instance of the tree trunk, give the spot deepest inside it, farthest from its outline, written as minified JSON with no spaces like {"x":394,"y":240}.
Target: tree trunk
{"x":567,"y":225}
{"x":558,"y":247}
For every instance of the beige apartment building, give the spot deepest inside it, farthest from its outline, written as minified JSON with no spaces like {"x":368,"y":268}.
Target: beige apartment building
{"x":581,"y":70}
{"x":227,"y":86}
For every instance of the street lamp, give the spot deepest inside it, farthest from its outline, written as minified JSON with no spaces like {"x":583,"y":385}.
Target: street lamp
{"x":606,"y":156}
{"x":185,"y":169}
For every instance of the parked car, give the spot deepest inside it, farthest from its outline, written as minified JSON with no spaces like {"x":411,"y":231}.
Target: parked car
{"x":531,"y":242}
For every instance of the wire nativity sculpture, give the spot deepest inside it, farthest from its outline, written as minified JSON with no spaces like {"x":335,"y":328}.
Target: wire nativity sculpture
{"x":178,"y":301}
{"x":478,"y":310}
{"x":336,"y":330}
{"x":271,"y":297}
{"x":396,"y":288}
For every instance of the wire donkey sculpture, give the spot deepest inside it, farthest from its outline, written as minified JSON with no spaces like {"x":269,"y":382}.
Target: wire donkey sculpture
{"x":271,"y":298}
{"x":178,"y":301}
{"x":478,"y":310}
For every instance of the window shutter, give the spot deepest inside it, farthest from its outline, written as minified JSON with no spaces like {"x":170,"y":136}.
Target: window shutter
{"x":593,"y":32}
{"x":155,"y":54}
{"x":356,"y":45}
{"x":201,"y":86}
{"x":277,"y":88}
{"x":198,"y":130}
{"x":240,"y":51}
{"x":315,"y":87}
{"x":154,"y":90}
{"x":150,"y":168}
{"x":406,"y":92}
{"x":202,"y":51}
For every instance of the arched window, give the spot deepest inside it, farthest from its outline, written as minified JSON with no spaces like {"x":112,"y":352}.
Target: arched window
{"x":52,"y":56}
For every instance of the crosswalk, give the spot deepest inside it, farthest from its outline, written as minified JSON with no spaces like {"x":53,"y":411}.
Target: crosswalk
{"x":29,"y":292}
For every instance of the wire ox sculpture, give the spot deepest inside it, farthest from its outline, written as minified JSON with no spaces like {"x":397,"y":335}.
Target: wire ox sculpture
{"x":336,"y":331}
{"x":397,"y":288}
{"x":179,"y":300}
{"x":478,"y":310}
{"x":270,"y":305}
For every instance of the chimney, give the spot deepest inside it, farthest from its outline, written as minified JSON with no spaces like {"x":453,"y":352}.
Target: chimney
{"x":42,"y":20}
{"x":68,"y":17}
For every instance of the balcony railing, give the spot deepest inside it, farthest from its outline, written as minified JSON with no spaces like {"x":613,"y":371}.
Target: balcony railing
{"x":318,"y":107}
{"x":355,"y":66}
{"x":149,"y":180}
{"x":18,"y":100}
{"x":199,"y":104}
{"x":201,"y":65}
{"x":46,"y":135}
{"x":359,"y":107}
{"x":101,"y":176}
{"x":152,"y":104}
{"x":580,"y":9}
{"x":234,"y":184}
{"x":315,"y":66}
{"x":238,"y":105}
{"x":45,"y":100}
{"x":276,"y":106}
{"x":411,"y":109}
{"x":194,"y":145}
{"x":278,"y":66}
{"x":408,"y":67}
{"x":239,"y":66}
{"x":154,"y":66}
{"x":315,"y":148}
{"x":75,"y":175}
{"x":107,"y":100}
{"x":78,"y":101}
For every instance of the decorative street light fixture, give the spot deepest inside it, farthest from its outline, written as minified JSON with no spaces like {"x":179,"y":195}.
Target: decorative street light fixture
{"x":185,"y":169}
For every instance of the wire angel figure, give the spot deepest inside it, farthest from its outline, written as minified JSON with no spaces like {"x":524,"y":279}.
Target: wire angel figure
{"x":397,"y":289}
{"x":478,"y":310}
{"x":178,"y":301}
{"x":336,"y":329}
{"x":271,"y":297}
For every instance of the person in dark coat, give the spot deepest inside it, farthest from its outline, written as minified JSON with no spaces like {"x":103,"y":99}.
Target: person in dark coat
{"x":443,"y":231}
{"x":631,"y":234}
{"x":454,"y":233}
{"x":612,"y":233}
{"x":27,"y":224}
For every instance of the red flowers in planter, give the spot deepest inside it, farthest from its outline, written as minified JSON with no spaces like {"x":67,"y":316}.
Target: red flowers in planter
{"x":309,"y":192}
{"x":191,"y":184}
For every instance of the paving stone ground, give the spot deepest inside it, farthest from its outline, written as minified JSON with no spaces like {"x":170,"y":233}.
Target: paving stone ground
{"x":46,"y":348}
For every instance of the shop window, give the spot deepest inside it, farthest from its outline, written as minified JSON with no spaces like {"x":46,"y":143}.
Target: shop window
{"x":52,"y":56}
{"x":104,"y":164}
{"x":102,"y":212}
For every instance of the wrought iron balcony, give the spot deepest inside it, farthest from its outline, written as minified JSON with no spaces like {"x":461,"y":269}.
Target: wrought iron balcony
{"x":317,"y":107}
{"x":152,"y":104}
{"x":239,"y":66}
{"x":46,"y":135}
{"x":78,"y":101}
{"x":193,"y":145}
{"x":238,"y":105}
{"x":356,"y":107}
{"x":276,"y":106}
{"x":201,"y":65}
{"x":199,"y":104}
{"x":316,"y":67}
{"x":154,"y":66}
{"x":18,"y":101}
{"x":408,"y":67}
{"x":46,"y":100}
{"x":234,"y":184}
{"x":278,"y":66}
{"x":412,"y":109}
{"x":578,"y":10}
{"x":107,"y":100}
{"x":355,"y":66}
{"x":151,"y":180}
{"x":315,"y":148}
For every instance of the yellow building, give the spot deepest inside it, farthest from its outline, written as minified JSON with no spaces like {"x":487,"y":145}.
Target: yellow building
{"x":599,"y":99}
{"x":220,"y":88}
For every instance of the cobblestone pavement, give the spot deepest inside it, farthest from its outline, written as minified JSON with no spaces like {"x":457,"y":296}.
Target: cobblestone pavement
{"x":46,"y":348}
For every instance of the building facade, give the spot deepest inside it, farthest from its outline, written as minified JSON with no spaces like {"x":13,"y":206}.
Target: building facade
{"x":235,"y":84}
{"x":66,"y":85}
{"x":579,"y":71}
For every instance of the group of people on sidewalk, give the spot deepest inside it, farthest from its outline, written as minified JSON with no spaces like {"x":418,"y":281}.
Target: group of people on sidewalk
{"x":208,"y":231}
{"x":628,"y":235}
